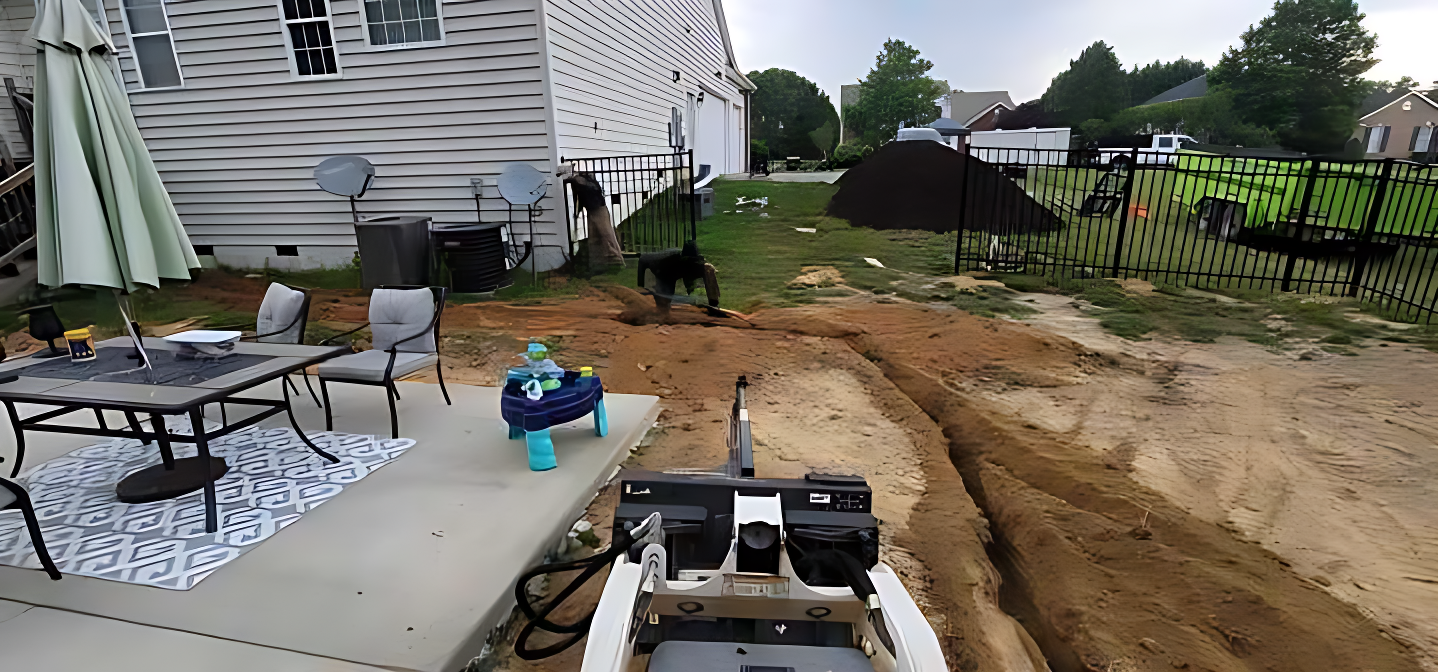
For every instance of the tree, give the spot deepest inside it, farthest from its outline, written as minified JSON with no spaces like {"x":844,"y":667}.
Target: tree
{"x":897,"y":90}
{"x":1094,"y":87}
{"x":787,"y":109}
{"x":1299,"y":72}
{"x":1155,"y":78}
{"x":823,"y":137}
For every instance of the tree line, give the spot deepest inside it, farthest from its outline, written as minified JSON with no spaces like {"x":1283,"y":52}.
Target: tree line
{"x":1294,"y":80}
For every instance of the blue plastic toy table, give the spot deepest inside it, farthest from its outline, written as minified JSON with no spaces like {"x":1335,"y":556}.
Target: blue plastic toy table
{"x":576,"y":397}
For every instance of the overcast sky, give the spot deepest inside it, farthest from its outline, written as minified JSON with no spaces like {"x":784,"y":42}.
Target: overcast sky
{"x":1019,"y":45}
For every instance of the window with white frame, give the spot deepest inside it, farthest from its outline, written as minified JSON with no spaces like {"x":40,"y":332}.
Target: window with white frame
{"x":310,"y":37}
{"x":149,"y":31}
{"x":403,"y":23}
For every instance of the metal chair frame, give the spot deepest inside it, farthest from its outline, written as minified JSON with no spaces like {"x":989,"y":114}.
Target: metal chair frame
{"x":392,"y":392}
{"x":302,"y":318}
{"x":27,"y":509}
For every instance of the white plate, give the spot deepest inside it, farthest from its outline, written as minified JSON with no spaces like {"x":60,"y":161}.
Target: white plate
{"x":204,"y":336}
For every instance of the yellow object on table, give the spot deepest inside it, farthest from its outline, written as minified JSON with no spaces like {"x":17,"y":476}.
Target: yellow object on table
{"x":82,"y":345}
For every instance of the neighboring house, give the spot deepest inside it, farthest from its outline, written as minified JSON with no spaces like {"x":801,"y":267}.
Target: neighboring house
{"x":1193,"y":88}
{"x":1406,"y":127}
{"x":977,"y":110}
{"x":848,"y":95}
{"x":238,"y":100}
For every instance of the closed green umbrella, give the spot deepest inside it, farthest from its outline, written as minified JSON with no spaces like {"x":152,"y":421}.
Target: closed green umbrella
{"x":103,"y":217}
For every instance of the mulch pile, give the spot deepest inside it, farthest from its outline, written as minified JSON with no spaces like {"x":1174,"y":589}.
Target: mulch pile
{"x":920,"y":185}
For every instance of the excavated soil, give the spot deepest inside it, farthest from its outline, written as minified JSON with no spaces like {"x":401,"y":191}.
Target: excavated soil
{"x":1116,"y":504}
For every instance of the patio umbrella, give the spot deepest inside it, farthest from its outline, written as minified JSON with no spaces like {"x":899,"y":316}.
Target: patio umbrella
{"x":103,"y":216}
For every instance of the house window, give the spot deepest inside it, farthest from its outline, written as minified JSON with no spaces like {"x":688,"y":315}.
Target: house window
{"x":1407,"y":105}
{"x":1422,"y":137}
{"x":310,"y":39}
{"x":1375,"y":138}
{"x":403,"y":23}
{"x":150,"y":44}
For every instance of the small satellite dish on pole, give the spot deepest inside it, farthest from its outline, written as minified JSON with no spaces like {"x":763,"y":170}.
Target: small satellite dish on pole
{"x":349,"y":176}
{"x":522,"y":184}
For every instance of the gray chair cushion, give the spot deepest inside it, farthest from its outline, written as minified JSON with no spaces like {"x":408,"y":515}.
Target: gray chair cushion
{"x":369,"y":365}
{"x":277,"y":311}
{"x":397,"y":314}
{"x":6,"y":497}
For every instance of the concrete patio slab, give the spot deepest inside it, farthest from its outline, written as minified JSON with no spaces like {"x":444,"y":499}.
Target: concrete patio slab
{"x":408,"y":569}
{"x":28,"y":642}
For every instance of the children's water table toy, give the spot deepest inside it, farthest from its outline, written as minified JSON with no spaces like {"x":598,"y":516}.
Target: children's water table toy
{"x":539,"y":395}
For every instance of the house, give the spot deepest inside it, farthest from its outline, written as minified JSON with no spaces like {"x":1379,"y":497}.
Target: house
{"x":1193,"y":88}
{"x":1402,"y":129}
{"x":238,"y":100}
{"x":978,"y":110}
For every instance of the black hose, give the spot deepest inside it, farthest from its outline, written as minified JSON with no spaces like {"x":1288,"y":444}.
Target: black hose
{"x":591,"y":566}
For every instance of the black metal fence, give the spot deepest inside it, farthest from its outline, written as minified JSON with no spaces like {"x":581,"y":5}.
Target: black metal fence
{"x":1367,"y":229}
{"x":650,"y":198}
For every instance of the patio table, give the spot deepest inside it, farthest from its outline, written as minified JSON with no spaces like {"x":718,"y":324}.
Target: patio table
{"x":182,"y":387}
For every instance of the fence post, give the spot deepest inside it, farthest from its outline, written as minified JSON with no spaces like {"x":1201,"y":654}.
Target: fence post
{"x":1123,"y":212}
{"x":1370,"y":225}
{"x":963,"y":212}
{"x":693,"y":200}
{"x":1302,"y":221}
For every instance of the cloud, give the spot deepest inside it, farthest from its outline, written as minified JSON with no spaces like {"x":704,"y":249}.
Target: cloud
{"x":1020,"y":45}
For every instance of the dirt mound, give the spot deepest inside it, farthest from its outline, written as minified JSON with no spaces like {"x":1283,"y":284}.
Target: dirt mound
{"x":920,"y":185}
{"x":816,"y":276}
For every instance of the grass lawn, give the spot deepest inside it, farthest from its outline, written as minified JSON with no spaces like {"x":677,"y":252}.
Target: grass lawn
{"x":758,"y":251}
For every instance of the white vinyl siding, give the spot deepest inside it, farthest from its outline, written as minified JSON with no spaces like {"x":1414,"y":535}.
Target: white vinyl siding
{"x":152,"y":46}
{"x":395,"y":24}
{"x":237,"y":147}
{"x":309,"y":37}
{"x":17,"y":62}
{"x":612,"y":65}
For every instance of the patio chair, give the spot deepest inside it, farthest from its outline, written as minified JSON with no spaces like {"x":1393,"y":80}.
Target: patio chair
{"x":12,"y":496}
{"x":284,"y":314}
{"x":404,"y":322}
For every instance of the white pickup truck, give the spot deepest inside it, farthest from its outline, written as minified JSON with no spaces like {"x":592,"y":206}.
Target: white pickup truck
{"x":1160,"y":150}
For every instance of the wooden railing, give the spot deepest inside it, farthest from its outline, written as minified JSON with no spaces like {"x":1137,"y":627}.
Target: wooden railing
{"x":17,"y":216}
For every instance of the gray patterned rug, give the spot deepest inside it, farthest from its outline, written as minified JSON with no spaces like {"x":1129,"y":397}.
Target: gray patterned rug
{"x":273,"y":480}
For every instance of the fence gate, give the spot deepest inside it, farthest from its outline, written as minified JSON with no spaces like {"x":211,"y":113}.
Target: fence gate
{"x":1355,"y":228}
{"x":650,"y":198}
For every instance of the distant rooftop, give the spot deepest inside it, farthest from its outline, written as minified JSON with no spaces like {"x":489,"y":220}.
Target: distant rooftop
{"x":964,"y":106}
{"x":1193,"y":88}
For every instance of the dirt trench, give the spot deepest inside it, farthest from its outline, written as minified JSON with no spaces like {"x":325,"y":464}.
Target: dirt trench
{"x":995,"y":513}
{"x":1106,"y":573}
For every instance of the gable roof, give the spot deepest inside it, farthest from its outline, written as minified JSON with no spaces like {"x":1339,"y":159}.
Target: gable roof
{"x":1393,"y":102}
{"x":966,"y":106}
{"x":1193,"y":88}
{"x":1378,"y":100}
{"x":731,"y":67}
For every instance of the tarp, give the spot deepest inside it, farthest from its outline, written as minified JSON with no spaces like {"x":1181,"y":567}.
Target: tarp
{"x":103,"y":217}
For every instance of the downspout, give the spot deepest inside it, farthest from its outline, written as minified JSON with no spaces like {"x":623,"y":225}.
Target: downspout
{"x":550,"y":125}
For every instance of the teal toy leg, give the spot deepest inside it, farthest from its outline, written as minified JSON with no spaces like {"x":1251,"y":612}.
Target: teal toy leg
{"x":601,"y":419}
{"x":541,"y":451}
{"x":516,"y":432}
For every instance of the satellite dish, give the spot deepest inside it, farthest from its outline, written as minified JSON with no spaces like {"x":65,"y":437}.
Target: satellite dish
{"x":522,"y":184}
{"x":345,"y":175}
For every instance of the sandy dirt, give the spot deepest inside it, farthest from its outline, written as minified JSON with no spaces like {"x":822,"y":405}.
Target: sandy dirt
{"x":1326,"y":461}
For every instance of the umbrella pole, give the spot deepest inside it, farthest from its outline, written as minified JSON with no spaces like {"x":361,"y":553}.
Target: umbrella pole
{"x":123,"y":299}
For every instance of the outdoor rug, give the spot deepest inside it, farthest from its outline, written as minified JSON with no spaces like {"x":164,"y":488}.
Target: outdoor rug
{"x":273,"y":480}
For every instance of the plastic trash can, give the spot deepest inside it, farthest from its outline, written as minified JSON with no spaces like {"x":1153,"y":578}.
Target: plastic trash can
{"x":394,"y":251}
